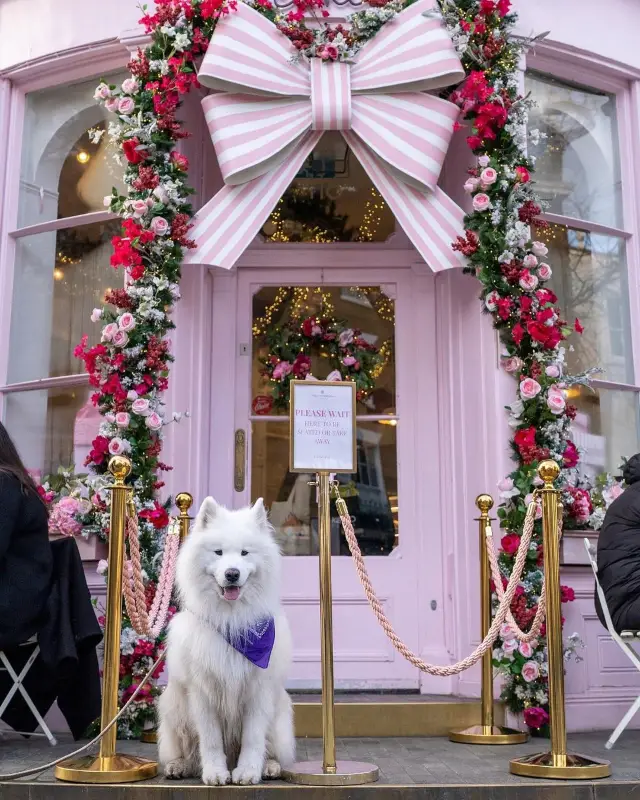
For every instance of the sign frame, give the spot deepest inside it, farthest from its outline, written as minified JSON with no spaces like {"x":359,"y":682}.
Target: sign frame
{"x":342,"y":386}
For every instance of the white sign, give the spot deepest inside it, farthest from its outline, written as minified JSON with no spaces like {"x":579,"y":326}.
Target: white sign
{"x":323,"y":426}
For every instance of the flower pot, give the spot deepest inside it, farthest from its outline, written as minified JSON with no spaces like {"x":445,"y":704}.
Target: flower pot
{"x":91,"y":548}
{"x":572,"y":552}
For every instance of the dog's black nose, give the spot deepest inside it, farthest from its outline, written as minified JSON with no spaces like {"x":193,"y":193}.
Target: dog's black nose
{"x":232,"y":575}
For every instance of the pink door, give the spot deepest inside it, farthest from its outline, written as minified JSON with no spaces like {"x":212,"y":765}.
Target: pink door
{"x":390,"y":314}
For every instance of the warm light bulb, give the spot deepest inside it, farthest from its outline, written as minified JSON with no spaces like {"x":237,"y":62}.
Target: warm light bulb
{"x":58,"y":274}
{"x":83,"y":156}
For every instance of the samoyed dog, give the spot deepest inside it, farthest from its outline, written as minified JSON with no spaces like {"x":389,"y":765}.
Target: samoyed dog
{"x":225,"y":714}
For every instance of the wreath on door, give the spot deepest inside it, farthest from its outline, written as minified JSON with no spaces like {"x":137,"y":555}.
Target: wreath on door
{"x":291,"y":346}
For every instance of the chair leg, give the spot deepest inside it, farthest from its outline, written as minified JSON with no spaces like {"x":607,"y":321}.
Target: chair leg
{"x":18,"y":687}
{"x":623,"y":723}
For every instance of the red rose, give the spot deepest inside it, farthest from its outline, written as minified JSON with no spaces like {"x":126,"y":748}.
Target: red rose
{"x":546,"y":296}
{"x":100,"y":447}
{"x":522,"y":175}
{"x":487,"y":6}
{"x":567,"y":595}
{"x":517,"y":334}
{"x":131,"y":153}
{"x":179,"y":161}
{"x":503,"y":7}
{"x":510,"y":543}
{"x":307,"y":326}
{"x":157,"y":516}
{"x":570,"y":457}
{"x":301,"y":366}
{"x":535,"y":717}
{"x":547,"y":336}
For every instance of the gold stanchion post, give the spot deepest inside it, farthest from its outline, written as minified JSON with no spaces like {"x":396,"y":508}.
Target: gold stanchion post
{"x":184,"y":501}
{"x":329,"y":772}
{"x":109,"y":766}
{"x":486,"y":732}
{"x":557,"y":763}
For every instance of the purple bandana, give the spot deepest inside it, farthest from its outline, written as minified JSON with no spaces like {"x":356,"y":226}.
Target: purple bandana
{"x":255,"y":643}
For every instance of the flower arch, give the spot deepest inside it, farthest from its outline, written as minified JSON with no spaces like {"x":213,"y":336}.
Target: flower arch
{"x":130,"y":367}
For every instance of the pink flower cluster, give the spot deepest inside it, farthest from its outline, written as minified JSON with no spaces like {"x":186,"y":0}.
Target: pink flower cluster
{"x":63,"y":519}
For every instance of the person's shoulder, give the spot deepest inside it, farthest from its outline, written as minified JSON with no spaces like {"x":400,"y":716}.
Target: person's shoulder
{"x":9,"y":483}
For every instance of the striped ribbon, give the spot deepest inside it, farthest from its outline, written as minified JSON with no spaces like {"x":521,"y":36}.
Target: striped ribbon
{"x":270,"y":111}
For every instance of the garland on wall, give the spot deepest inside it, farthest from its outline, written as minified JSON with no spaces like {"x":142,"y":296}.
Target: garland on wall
{"x":129,"y":367}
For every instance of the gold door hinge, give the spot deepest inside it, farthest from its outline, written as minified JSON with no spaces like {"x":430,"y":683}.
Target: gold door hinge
{"x":239,"y":471}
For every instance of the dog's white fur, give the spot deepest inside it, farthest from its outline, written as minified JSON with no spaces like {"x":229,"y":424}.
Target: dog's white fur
{"x":221,"y":716}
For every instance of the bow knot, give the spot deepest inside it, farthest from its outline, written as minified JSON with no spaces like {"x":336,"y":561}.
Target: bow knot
{"x":330,"y":95}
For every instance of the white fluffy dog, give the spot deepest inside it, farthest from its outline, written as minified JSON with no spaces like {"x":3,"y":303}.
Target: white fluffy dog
{"x":221,"y":715}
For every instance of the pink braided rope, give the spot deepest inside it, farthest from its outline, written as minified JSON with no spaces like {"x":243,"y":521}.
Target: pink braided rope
{"x":148,"y":623}
{"x":498,"y":620}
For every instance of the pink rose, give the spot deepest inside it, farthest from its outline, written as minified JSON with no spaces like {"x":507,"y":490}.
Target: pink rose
{"x":328,"y":53}
{"x":126,"y":105}
{"x":111,"y":104}
{"x":117,"y":446}
{"x":159,"y":226}
{"x":507,"y":632}
{"x":529,"y":388}
{"x":132,"y":395}
{"x":483,"y":161}
{"x":140,"y":406}
{"x":96,"y":314}
{"x":348,"y":361}
{"x":539,"y":248}
{"x":544,"y":272}
{"x":512,"y":364}
{"x":530,"y":261}
{"x":109,"y":331}
{"x":528,"y":281}
{"x":102,"y":92}
{"x":471,"y":184}
{"x":122,"y":419}
{"x":488,"y":176}
{"x":161,"y":193}
{"x":139,"y":207}
{"x":126,"y":321}
{"x":556,"y":401}
{"x":110,"y":417}
{"x":153,"y":421}
{"x":526,"y":648}
{"x":530,"y":671}
{"x":282,"y":369}
{"x":120,"y":338}
{"x":481,"y":201}
{"x":510,"y":646}
{"x":346,"y":337}
{"x":130,"y":85}
{"x":552,"y":371}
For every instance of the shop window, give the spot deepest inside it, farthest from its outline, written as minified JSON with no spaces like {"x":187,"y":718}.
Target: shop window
{"x":332,"y":199}
{"x":578,"y":173}
{"x":61,"y":272}
{"x":372,"y":493}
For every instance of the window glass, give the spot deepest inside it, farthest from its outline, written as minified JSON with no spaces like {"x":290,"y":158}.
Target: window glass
{"x":371,"y":495}
{"x":578,"y":163}
{"x":63,"y":172}
{"x":606,"y":427}
{"x":52,"y":428}
{"x":59,"y":278}
{"x":331,"y":199}
{"x":590,"y":279}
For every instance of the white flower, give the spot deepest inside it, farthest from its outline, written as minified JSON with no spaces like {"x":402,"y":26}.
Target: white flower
{"x":181,"y":42}
{"x":102,"y":567}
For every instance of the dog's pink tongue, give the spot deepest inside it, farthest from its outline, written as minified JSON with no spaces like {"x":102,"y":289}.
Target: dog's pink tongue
{"x":231,"y":592}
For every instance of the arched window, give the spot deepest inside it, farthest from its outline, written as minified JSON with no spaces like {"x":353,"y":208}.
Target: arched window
{"x":61,"y":272}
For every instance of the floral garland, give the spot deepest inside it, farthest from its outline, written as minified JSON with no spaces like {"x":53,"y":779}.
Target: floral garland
{"x":129,"y":368}
{"x":290,"y":345}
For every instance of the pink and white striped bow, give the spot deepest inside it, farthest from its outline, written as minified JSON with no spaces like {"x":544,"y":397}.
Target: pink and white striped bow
{"x":271,"y":113}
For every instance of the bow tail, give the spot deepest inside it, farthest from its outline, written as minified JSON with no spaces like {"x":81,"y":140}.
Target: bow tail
{"x":228,"y":223}
{"x":431,"y":220}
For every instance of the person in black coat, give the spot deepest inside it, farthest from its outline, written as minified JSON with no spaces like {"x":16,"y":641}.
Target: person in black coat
{"x":619,"y":553}
{"x":26,"y":562}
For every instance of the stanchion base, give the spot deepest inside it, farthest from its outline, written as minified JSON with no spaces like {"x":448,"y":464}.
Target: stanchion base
{"x":348,"y":773}
{"x":115,"y":769}
{"x":488,"y":734}
{"x":149,"y":737}
{"x":568,"y":767}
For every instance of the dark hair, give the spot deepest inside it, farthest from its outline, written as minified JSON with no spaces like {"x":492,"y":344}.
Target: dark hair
{"x":11,"y":464}
{"x":631,"y":470}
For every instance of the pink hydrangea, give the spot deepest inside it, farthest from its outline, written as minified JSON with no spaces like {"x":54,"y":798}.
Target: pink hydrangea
{"x":62,"y":520}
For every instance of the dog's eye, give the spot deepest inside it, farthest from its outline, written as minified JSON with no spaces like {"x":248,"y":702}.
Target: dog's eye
{"x":244,"y":552}
{"x":218,"y":552}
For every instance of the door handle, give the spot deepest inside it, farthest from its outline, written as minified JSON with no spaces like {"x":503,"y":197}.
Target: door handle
{"x":239,"y":469}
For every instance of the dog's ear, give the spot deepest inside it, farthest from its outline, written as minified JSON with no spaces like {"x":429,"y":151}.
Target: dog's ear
{"x":260,"y":513}
{"x":209,"y":510}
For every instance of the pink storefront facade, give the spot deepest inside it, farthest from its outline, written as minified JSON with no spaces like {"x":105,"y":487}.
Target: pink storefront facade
{"x":435,"y":433}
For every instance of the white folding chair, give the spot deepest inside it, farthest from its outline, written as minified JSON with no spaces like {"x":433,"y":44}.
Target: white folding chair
{"x":18,"y":686}
{"x":622,"y":640}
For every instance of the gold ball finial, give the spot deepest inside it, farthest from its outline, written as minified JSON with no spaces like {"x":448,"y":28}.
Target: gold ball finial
{"x":484,"y":503}
{"x":548,"y":472}
{"x":120,"y":468}
{"x":184,"y":501}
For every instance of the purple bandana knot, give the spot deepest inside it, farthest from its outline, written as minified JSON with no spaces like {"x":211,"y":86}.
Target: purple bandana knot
{"x":255,"y":643}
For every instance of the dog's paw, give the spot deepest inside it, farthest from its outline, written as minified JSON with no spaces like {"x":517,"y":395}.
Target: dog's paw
{"x":272,"y":769}
{"x":246,"y":776}
{"x":177,"y":769}
{"x":215,"y":776}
